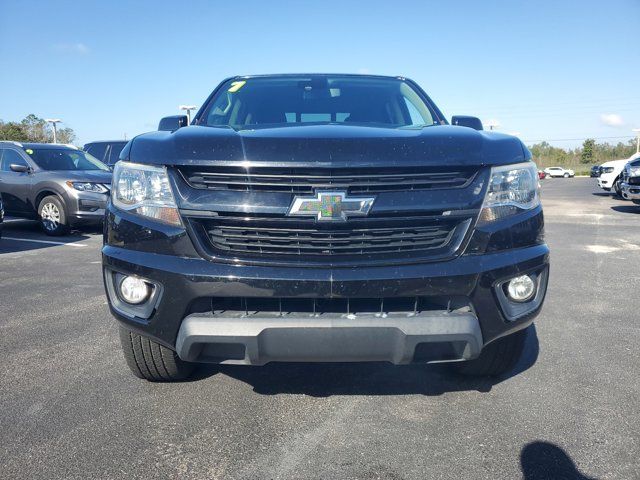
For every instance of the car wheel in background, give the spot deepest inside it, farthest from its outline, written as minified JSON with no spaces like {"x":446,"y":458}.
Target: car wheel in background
{"x":499,"y":357}
{"x":616,"y":188}
{"x":53,"y":216}
{"x":151,"y":361}
{"x":566,"y":175}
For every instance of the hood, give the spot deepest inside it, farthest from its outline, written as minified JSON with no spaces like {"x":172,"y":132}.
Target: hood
{"x":616,"y":163}
{"x":95,"y":176}
{"x":328,"y":146}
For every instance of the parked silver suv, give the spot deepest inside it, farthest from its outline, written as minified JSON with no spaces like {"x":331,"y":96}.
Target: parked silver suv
{"x":57,"y":184}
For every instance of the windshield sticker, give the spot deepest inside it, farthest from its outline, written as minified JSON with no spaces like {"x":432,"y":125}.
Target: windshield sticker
{"x":235,"y":86}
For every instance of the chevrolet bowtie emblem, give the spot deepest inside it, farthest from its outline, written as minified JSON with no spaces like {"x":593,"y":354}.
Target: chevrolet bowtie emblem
{"x":331,"y":206}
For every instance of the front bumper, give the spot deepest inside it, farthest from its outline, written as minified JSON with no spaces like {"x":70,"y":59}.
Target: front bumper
{"x":181,"y":316}
{"x":308,"y":338}
{"x":630,"y":192}
{"x":605,"y":182}
{"x":86,"y":207}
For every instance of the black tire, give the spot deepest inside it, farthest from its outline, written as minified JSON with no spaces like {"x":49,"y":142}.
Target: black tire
{"x":151,"y":361}
{"x":617,"y":189}
{"x":566,"y":175}
{"x":47,"y":208}
{"x":497,"y":358}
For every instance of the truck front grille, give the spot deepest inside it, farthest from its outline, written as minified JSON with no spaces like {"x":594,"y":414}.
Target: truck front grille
{"x":420,"y":229}
{"x":306,"y":180}
{"x":273,"y":235}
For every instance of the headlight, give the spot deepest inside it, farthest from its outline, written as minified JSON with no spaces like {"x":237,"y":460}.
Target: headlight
{"x":512,"y":189}
{"x":634,"y":171}
{"x":144,"y":190}
{"x":606,"y":169}
{"x":88,"y":187}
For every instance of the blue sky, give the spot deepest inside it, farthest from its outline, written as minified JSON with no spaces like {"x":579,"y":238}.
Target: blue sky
{"x":551,"y":70}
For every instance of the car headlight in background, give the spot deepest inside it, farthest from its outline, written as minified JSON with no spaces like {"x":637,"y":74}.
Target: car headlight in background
{"x":144,"y":190}
{"x":512,"y":189}
{"x":87,"y":187}
{"x":606,"y":170}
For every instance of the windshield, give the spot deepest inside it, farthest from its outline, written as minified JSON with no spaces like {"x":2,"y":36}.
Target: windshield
{"x":63,"y":159}
{"x":317,"y":99}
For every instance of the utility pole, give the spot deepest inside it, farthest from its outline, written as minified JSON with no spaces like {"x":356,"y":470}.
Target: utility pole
{"x":637,"y":130}
{"x":53,"y":122}
{"x":188,"y":108}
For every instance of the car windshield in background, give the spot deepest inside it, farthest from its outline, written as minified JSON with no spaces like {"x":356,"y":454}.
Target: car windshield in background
{"x":114,"y":154}
{"x":322,"y":99}
{"x":59,"y":159}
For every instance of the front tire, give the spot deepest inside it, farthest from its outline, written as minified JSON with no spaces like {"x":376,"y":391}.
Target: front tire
{"x":151,"y":361}
{"x":616,"y":187}
{"x":53,"y":216}
{"x":497,"y":358}
{"x":566,"y":175}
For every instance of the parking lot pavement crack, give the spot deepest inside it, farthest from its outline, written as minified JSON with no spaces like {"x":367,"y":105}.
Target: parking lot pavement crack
{"x":301,"y":445}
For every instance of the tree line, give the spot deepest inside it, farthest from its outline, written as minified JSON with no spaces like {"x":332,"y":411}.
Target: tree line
{"x":34,"y":129}
{"x":590,"y":153}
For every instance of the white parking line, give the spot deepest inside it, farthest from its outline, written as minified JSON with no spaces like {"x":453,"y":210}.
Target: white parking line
{"x":44,"y":241}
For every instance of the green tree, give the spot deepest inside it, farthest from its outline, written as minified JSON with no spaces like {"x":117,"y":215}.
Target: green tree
{"x":34,"y":129}
{"x":66,"y":135}
{"x":12,"y":131}
{"x":546,"y":155}
{"x":587,"y":155}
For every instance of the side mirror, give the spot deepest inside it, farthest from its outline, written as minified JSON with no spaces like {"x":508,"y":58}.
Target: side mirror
{"x":173,"y":123}
{"x":19,"y":168}
{"x":466,"y":121}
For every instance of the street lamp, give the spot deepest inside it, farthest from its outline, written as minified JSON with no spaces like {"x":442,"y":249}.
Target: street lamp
{"x":53,"y":122}
{"x":188,"y":108}
{"x":637,"y":130}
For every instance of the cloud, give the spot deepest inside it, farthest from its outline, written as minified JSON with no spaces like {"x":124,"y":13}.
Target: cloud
{"x":612,"y":119}
{"x":364,"y":71}
{"x":78,"y":48}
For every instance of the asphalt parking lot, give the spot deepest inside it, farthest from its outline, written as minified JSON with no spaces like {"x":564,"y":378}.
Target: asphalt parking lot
{"x":69,"y":407}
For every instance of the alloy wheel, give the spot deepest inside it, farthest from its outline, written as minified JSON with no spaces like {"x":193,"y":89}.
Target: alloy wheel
{"x":50,"y":216}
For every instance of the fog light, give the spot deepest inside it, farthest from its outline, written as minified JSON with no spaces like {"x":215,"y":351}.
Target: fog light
{"x":521,"y":288}
{"x":134,"y":290}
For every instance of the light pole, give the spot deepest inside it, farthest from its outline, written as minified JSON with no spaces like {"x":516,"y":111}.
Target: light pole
{"x":53,"y":122}
{"x":188,"y":108}
{"x":637,"y":130}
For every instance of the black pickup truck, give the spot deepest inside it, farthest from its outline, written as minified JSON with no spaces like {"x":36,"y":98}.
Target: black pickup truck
{"x":323,"y":218}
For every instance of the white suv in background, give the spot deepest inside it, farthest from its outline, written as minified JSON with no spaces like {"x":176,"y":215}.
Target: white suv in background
{"x":559,"y":172}
{"x":609,"y":178}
